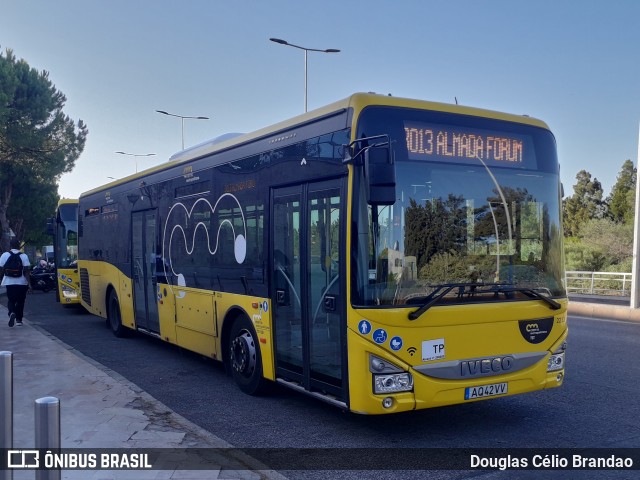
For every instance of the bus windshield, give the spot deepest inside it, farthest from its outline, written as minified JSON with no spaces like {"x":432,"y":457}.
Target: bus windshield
{"x":476,"y":218}
{"x":66,"y":237}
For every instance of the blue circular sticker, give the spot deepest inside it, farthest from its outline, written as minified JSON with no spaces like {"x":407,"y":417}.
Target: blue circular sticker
{"x":395,"y":343}
{"x":364,"y":327}
{"x":380,"y":335}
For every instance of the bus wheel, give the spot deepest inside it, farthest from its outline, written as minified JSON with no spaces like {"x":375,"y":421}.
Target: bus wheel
{"x":244,"y":357}
{"x":114,"y":317}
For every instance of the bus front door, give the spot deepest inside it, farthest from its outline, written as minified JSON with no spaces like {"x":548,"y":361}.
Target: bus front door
{"x":143,"y":229}
{"x":308,"y":285}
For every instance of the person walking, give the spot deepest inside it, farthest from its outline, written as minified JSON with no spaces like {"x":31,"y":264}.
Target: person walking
{"x":15,"y":269}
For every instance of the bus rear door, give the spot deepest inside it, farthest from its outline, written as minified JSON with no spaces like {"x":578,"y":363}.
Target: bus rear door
{"x":145,"y":281}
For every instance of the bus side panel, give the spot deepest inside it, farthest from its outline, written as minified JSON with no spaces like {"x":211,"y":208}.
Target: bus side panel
{"x":125,"y":295}
{"x":200,"y":317}
{"x":101,"y":276}
{"x":167,"y":314}
{"x":195,"y":322}
{"x":258,"y":309}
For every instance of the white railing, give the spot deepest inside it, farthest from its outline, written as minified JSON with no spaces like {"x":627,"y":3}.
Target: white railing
{"x":598,"y":283}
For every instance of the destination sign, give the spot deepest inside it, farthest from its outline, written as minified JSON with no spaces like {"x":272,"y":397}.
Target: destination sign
{"x":447,"y":143}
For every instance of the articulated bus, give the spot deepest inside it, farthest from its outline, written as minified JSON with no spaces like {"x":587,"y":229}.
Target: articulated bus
{"x":381,"y":254}
{"x":64,"y":228}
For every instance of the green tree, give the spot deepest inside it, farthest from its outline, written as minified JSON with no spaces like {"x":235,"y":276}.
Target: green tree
{"x":438,"y":226}
{"x":27,"y":214}
{"x":603,"y":245}
{"x":621,"y":201}
{"x":585,"y":204}
{"x":581,"y":256}
{"x":614,"y":240}
{"x":37,"y":140}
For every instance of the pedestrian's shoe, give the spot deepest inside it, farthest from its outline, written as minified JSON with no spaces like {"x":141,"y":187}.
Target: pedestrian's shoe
{"x":18,"y":323}
{"x":12,"y":319}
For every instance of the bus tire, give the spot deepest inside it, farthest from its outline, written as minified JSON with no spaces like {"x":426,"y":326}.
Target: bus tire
{"x":114,"y":316}
{"x":243,"y":357}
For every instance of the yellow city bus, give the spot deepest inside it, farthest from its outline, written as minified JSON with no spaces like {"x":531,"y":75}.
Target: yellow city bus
{"x":64,"y":228}
{"x":381,"y":254}
{"x":65,"y":251}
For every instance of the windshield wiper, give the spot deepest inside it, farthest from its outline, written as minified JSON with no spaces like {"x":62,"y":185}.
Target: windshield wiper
{"x":553,"y":305}
{"x":441,"y":290}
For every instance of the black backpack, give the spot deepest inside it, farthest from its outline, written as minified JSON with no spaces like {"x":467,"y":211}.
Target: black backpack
{"x":13,"y":265}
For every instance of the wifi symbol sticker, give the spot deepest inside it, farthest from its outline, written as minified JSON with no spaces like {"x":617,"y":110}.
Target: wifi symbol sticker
{"x":412,"y":350}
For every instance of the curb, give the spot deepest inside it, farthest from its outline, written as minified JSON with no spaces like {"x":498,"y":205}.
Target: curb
{"x":598,"y":310}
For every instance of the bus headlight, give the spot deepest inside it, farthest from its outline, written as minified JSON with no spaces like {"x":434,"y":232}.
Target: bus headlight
{"x":68,"y":292}
{"x":391,"y":383}
{"x":556,"y":362}
{"x":387,"y":377}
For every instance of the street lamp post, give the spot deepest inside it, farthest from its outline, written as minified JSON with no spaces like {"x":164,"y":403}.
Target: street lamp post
{"x":635,"y":265}
{"x":181,"y":117}
{"x":136,"y":155}
{"x":328,"y":50}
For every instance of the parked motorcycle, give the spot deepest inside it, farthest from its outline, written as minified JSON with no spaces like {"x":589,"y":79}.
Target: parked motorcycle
{"x":43,"y":277}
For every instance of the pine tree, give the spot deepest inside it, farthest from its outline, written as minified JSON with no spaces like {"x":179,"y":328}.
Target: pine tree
{"x":585,"y":204}
{"x":37,"y":140}
{"x":622,"y":198}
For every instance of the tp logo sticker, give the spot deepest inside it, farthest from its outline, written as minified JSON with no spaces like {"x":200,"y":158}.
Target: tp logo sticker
{"x":433,"y":349}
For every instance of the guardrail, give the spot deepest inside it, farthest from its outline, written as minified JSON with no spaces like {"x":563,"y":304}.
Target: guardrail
{"x":598,"y":283}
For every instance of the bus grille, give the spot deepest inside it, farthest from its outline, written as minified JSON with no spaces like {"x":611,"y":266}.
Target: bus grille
{"x":84,"y":286}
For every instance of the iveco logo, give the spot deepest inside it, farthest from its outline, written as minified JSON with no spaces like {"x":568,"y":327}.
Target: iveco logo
{"x":484,"y":366}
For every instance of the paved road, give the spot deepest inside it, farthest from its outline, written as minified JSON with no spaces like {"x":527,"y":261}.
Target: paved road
{"x":597,"y":406}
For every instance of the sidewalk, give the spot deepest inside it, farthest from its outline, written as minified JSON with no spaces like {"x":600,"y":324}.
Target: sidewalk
{"x":101,"y":409}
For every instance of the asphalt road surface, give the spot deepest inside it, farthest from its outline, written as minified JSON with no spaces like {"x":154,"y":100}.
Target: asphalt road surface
{"x":597,"y":407}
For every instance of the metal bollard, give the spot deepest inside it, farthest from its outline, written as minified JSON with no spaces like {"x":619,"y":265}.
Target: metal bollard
{"x":6,"y":406}
{"x":47,"y":415}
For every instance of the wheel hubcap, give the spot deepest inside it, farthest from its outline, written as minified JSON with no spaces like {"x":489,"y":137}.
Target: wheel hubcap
{"x":243,"y":354}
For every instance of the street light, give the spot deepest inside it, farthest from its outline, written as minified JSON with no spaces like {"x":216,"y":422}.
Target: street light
{"x":136,"y":155}
{"x":328,"y":50}
{"x":181,"y":117}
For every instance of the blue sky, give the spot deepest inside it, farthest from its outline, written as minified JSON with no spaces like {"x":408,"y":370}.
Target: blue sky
{"x":572,"y":64}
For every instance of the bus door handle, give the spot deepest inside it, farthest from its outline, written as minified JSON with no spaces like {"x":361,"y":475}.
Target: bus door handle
{"x":329,"y":303}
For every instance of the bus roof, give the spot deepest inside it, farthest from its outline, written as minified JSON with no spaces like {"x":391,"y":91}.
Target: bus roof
{"x":356,"y":101}
{"x":67,"y":201}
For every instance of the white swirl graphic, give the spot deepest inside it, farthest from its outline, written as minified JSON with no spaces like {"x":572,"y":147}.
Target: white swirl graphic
{"x":239,"y":246}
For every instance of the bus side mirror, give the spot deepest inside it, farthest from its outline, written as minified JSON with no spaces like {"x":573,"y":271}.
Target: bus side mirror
{"x":380,"y":173}
{"x":51,"y":226}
